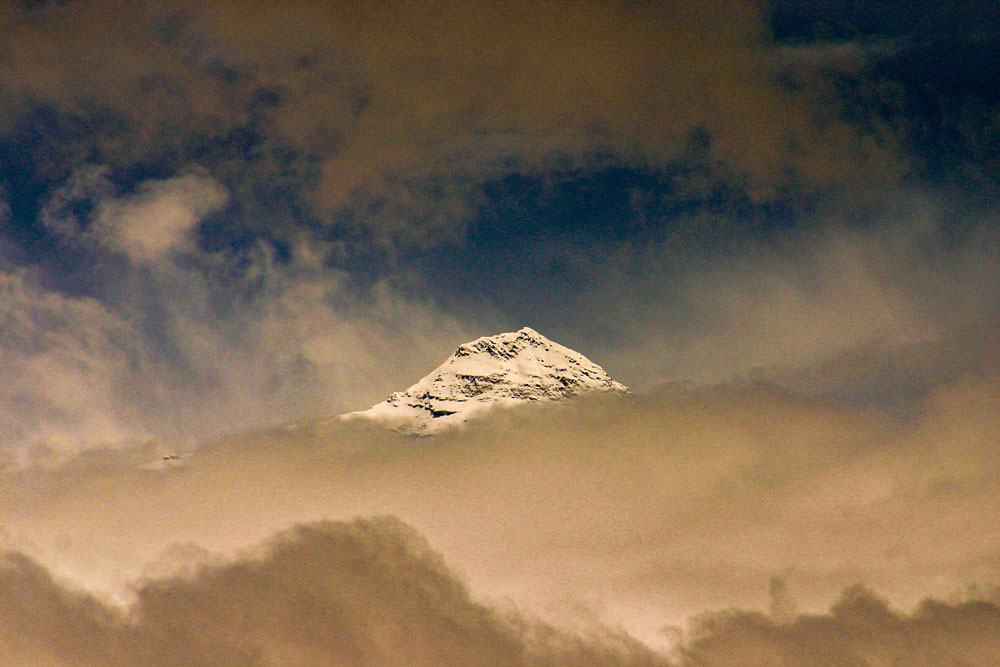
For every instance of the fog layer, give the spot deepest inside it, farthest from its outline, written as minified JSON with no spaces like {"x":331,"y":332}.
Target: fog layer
{"x":639,"y":511}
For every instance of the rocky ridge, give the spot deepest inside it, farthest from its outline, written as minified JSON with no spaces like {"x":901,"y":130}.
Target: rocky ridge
{"x":503,"y":370}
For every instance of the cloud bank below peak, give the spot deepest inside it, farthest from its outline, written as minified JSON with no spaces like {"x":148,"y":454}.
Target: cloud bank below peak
{"x":372,"y":592}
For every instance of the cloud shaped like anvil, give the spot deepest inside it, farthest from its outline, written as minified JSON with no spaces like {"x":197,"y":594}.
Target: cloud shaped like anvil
{"x":503,"y":370}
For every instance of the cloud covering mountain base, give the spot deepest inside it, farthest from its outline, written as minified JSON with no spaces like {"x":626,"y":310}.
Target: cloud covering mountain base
{"x":626,"y":512}
{"x":363,"y":593}
{"x":371,"y":592}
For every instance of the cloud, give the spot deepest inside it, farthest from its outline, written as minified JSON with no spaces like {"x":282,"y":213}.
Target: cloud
{"x":637,"y":511}
{"x":369,"y":592}
{"x":164,"y":361}
{"x":227,"y":201}
{"x":860,"y":629}
{"x":881,"y":309}
{"x":154,"y":336}
{"x":372,"y":592}
{"x":69,"y":367}
{"x":160,"y":217}
{"x":882,"y":312}
{"x":379,"y":121}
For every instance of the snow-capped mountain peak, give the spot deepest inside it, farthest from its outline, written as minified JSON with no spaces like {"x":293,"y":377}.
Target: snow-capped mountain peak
{"x":506,"y":369}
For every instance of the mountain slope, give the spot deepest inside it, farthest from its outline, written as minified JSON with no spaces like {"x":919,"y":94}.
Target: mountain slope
{"x":507,"y":369}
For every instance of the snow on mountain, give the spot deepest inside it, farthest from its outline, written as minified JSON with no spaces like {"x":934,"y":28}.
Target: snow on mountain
{"x":503,"y":370}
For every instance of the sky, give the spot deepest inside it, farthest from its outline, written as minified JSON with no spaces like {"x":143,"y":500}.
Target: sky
{"x":776,"y":221}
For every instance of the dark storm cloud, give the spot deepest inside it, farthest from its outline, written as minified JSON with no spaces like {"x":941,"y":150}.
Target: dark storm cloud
{"x":932,"y":89}
{"x":795,"y":21}
{"x":383,"y":127}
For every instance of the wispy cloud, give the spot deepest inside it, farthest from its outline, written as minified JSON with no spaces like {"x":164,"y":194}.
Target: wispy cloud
{"x":181,"y":342}
{"x":882,"y":308}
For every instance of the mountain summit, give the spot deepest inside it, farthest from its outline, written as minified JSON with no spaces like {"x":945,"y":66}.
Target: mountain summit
{"x":506,"y":369}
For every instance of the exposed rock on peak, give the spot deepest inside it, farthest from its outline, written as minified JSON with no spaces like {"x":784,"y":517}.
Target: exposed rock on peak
{"x":506,"y":369}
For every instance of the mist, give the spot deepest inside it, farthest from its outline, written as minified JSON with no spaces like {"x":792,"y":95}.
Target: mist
{"x":635,"y":513}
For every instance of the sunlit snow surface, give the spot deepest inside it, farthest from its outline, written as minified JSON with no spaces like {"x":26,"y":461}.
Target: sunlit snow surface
{"x":503,"y":370}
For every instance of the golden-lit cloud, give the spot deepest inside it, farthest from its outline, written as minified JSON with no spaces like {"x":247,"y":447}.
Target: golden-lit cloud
{"x":630,"y":514}
{"x":638,"y":511}
{"x":379,"y":104}
{"x":861,"y":629}
{"x":361,"y":593}
{"x":223,"y":221}
{"x":158,"y":219}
